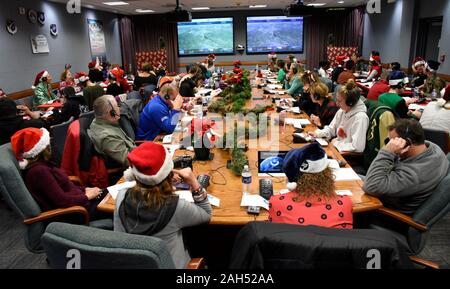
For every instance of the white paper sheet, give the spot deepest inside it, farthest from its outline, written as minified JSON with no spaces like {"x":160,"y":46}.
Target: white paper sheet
{"x":254,"y":200}
{"x":187,"y":196}
{"x":346,"y":174}
{"x":296,"y":109}
{"x":114,"y":190}
{"x":344,"y":193}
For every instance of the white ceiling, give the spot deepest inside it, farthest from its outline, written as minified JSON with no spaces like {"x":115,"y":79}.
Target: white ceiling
{"x":161,"y":6}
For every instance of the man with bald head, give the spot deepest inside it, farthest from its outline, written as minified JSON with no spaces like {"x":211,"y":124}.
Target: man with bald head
{"x":105,"y":132}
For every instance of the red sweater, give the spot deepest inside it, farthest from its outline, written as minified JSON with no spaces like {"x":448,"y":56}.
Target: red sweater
{"x":51,"y":188}
{"x":377,"y":89}
{"x":334,"y":213}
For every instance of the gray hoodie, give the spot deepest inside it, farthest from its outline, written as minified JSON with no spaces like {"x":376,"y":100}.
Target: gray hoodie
{"x":405,"y":184}
{"x":354,"y":123}
{"x":186,"y":215}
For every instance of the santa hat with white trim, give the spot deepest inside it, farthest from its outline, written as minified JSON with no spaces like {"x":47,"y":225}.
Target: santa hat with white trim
{"x":28,"y":143}
{"x":310,"y":159}
{"x":150,"y":164}
{"x":398,"y":77}
{"x":39,"y":77}
{"x":432,"y":65}
{"x":419,"y":61}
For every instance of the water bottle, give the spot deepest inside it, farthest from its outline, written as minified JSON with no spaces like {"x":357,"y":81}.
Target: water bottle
{"x":433,"y":94}
{"x":246,"y":180}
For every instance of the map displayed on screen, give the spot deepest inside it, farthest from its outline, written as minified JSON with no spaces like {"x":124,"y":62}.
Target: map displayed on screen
{"x":266,"y":34}
{"x":205,"y":36}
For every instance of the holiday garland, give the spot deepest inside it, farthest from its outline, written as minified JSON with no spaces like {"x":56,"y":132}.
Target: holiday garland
{"x":233,"y":99}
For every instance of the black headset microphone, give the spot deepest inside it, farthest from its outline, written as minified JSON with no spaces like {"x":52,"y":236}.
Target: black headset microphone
{"x":112,"y":112}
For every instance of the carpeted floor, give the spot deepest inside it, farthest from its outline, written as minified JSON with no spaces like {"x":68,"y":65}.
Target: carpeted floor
{"x":14,"y":254}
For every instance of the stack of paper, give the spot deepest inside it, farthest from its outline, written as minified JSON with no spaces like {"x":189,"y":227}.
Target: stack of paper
{"x":345,"y":174}
{"x":274,"y":86}
{"x":254,"y":200}
{"x":187,"y":196}
{"x":414,"y":106}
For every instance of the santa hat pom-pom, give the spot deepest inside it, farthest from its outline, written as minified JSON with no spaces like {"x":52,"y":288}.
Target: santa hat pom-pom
{"x":441,"y":102}
{"x":33,"y":87}
{"x":128,"y":175}
{"x":291,"y":186}
{"x":23,"y":164}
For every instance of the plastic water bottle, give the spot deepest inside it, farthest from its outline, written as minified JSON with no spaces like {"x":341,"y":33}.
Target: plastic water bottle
{"x":246,"y":180}
{"x":416,"y":92}
{"x":433,"y":94}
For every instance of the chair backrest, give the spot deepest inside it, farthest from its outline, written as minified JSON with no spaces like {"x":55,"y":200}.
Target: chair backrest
{"x":380,"y":118}
{"x":148,"y":92}
{"x":263,"y":245}
{"x":59,"y":135}
{"x":439,"y":137}
{"x":18,"y":197}
{"x":434,"y":209}
{"x":101,"y":249}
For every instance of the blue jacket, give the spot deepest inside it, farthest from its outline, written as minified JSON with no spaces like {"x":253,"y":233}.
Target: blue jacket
{"x":156,"y":117}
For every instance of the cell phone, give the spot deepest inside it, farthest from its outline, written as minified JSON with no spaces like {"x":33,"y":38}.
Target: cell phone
{"x":182,"y":186}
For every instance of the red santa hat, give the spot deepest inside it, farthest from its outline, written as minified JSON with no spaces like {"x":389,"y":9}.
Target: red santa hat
{"x":419,"y":61}
{"x":39,"y":78}
{"x":81,"y":76}
{"x":92,"y":64}
{"x":342,"y":58}
{"x":150,"y":164}
{"x":376,"y":58}
{"x":28,"y":143}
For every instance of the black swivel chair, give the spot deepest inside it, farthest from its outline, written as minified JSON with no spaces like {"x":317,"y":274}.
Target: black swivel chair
{"x":439,"y":137}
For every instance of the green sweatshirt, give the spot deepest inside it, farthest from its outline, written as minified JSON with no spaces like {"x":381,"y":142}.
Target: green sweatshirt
{"x":41,"y":94}
{"x":281,"y":75}
{"x":295,"y":87}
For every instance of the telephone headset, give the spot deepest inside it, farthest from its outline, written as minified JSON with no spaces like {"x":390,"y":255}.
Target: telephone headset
{"x":408,"y":140}
{"x":112,"y":112}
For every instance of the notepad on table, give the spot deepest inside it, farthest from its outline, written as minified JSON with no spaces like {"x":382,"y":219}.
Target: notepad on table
{"x":254,"y":200}
{"x":345,"y":174}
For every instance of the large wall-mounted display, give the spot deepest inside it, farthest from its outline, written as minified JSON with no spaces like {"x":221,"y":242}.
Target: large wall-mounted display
{"x":205,"y":36}
{"x":267,"y":34}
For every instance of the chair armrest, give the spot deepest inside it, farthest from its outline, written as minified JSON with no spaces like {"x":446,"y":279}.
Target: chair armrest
{"x":403,"y":218}
{"x":196,"y":263}
{"x":423,"y":262}
{"x":59,"y":212}
{"x":76,"y":180}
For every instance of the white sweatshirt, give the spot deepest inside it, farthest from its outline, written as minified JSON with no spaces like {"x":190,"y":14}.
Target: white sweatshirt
{"x":354,"y":123}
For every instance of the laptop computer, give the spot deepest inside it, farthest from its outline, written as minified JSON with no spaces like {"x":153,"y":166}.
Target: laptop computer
{"x":270,"y":163}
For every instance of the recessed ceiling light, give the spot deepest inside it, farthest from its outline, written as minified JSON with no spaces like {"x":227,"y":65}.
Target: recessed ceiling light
{"x":116,"y":3}
{"x":316,"y":4}
{"x":340,"y":2}
{"x":200,"y":8}
{"x":258,"y":6}
{"x":144,"y":11}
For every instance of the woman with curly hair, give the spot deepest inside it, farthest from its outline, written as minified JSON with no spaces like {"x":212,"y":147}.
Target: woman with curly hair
{"x":311,"y":199}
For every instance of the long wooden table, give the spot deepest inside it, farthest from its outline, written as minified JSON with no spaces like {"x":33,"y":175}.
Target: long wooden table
{"x":228,"y":187}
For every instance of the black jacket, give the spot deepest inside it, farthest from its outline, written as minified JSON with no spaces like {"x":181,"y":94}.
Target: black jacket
{"x":262,"y":245}
{"x":9,"y":126}
{"x":72,"y":108}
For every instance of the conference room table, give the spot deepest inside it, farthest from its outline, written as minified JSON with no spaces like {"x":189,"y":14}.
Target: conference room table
{"x":226,"y":186}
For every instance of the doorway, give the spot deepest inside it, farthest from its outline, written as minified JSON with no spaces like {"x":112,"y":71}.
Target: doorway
{"x":429,"y":36}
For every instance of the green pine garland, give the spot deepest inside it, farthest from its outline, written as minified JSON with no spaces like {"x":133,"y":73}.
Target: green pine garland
{"x":233,"y":99}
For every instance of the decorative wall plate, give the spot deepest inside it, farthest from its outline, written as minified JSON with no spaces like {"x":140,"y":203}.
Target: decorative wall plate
{"x":32,"y":16}
{"x":22,"y":11}
{"x":11,"y":27}
{"x":41,"y":18}
{"x":53,"y":30}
